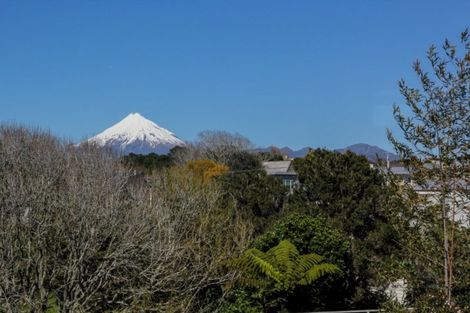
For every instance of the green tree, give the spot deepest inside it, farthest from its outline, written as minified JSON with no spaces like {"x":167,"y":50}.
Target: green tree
{"x":435,"y":143}
{"x":276,"y":273}
{"x":357,"y":199}
{"x":314,"y":234}
{"x":255,"y":193}
{"x":243,"y":161}
{"x":344,"y":187}
{"x":147,"y":163}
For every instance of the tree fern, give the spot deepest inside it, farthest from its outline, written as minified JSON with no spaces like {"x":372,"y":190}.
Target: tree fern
{"x":285,"y":256}
{"x":281,"y":268}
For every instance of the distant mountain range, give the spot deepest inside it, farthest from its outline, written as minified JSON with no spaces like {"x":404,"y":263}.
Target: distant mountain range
{"x":136,"y":134}
{"x":286,"y":151}
{"x":372,"y":153}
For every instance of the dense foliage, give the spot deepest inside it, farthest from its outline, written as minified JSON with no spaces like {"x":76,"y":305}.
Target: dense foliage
{"x":357,"y":199}
{"x":85,"y":231}
{"x":147,"y":163}
{"x":78,"y":232}
{"x":315,"y":235}
{"x":276,"y":273}
{"x":206,"y":170}
{"x":344,"y":187}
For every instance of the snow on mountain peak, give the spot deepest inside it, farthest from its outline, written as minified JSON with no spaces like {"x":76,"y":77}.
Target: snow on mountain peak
{"x":139,"y":135}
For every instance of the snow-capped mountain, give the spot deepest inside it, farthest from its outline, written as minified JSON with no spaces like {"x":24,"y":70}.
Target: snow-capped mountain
{"x":136,"y":134}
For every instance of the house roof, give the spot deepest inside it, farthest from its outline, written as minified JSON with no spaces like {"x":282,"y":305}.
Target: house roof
{"x":399,"y":170}
{"x":279,"y":168}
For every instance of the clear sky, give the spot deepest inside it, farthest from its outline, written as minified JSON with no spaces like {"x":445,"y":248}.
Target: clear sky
{"x":296,"y":73}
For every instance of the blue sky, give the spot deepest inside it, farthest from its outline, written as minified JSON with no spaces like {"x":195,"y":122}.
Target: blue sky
{"x":296,"y":73}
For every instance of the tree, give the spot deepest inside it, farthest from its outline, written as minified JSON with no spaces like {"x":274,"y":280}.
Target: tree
{"x":357,"y":199}
{"x":435,"y":145}
{"x":78,"y":234}
{"x":206,"y":169}
{"x":243,"y":161}
{"x":315,"y":234}
{"x":254,"y":193}
{"x":274,"y":154}
{"x":218,"y":146}
{"x":147,"y":163}
{"x":279,"y":270}
{"x":66,"y":228}
{"x":193,"y":234}
{"x":344,"y":187}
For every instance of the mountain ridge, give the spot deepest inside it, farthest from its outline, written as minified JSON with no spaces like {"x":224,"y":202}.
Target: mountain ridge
{"x":371,"y":152}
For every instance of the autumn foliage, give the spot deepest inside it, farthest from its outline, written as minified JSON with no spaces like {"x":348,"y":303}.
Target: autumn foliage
{"x":206,"y":169}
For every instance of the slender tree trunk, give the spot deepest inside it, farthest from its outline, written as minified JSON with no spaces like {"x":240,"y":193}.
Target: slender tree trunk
{"x":447,"y":285}
{"x":443,"y":185}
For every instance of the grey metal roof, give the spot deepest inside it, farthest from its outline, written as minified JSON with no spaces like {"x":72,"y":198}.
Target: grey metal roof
{"x":399,"y":170}
{"x":278,"y":167}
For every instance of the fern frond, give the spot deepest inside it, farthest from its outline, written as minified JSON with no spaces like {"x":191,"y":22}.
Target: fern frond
{"x":262,"y":266}
{"x":307,"y":261}
{"x":286,"y":256}
{"x":318,"y":271}
{"x":256,"y":264}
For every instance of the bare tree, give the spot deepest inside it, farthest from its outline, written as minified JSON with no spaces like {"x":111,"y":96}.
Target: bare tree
{"x":218,"y":146}
{"x":78,"y":233}
{"x":193,"y":236}
{"x":62,"y":219}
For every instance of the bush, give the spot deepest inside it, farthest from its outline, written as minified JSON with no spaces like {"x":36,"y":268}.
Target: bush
{"x":239,"y":301}
{"x":315,"y":235}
